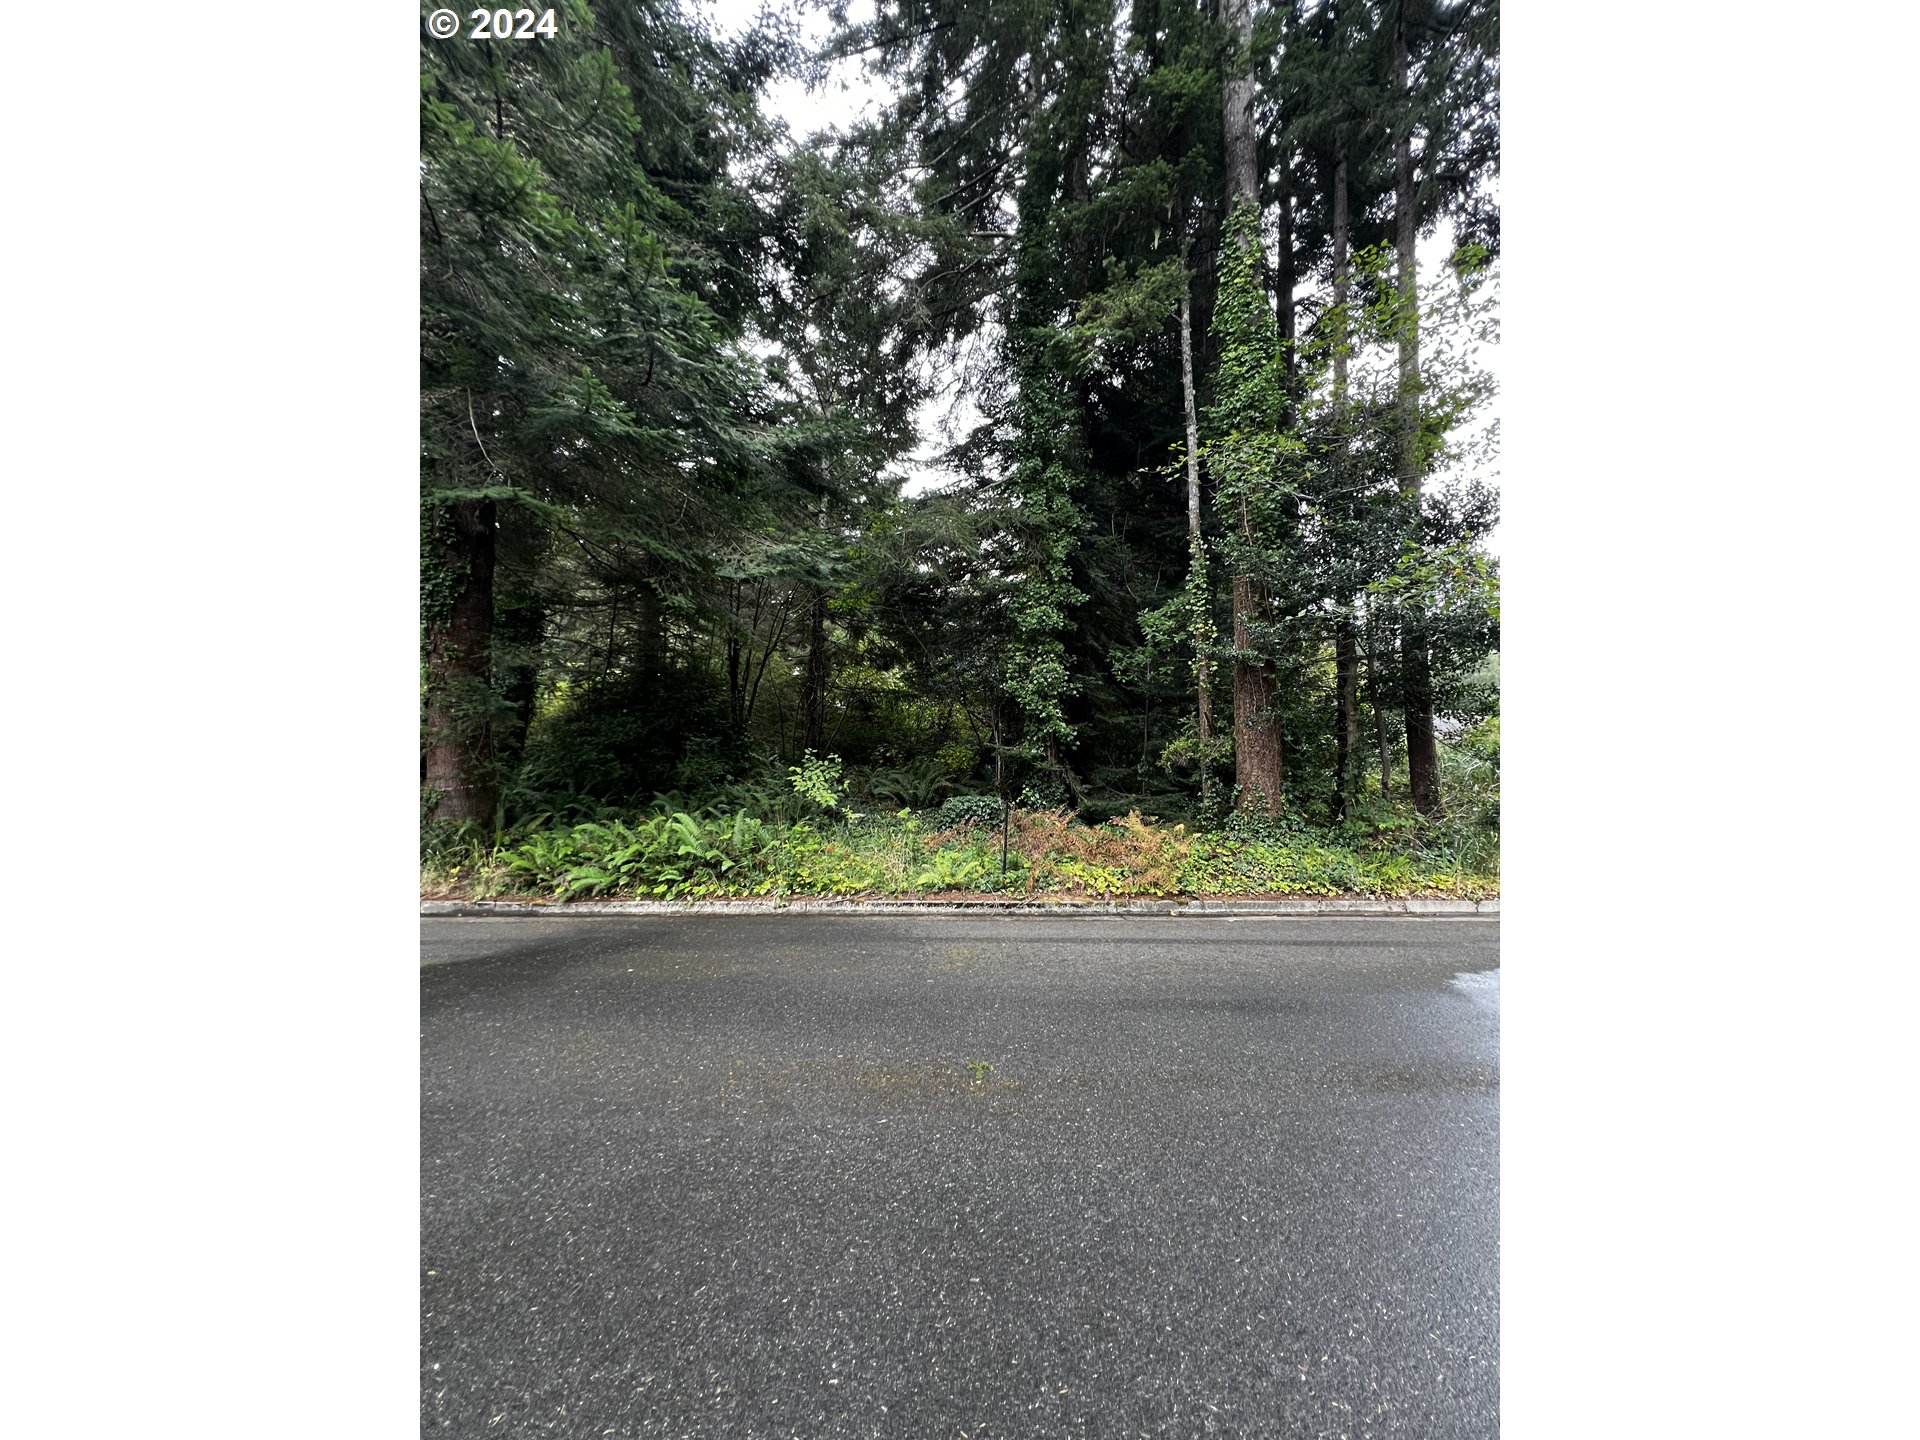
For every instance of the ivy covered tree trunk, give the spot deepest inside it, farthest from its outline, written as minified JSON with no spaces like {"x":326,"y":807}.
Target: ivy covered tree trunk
{"x":1197,"y":588}
{"x":1048,"y":453}
{"x":1346,"y":659}
{"x":1423,"y":756}
{"x":459,"y":768}
{"x":1257,"y":760}
{"x":1036,"y":678}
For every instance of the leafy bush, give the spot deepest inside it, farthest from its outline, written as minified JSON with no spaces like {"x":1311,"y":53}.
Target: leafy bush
{"x":817,"y":781}
{"x":958,"y":810}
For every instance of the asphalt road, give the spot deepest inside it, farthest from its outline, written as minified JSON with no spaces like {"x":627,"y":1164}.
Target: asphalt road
{"x":768,"y":1176}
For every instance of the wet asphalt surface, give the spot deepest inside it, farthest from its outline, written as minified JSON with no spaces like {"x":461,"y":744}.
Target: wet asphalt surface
{"x":954,"y":1177}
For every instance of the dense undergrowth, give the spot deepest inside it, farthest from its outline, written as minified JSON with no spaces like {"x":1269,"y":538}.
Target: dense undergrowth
{"x":805,"y":837}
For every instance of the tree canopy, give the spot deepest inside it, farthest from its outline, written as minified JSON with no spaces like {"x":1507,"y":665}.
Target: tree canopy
{"x":1222,"y":444}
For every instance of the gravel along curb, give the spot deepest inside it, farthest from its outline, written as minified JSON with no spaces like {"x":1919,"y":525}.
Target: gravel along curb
{"x":1201,"y":908}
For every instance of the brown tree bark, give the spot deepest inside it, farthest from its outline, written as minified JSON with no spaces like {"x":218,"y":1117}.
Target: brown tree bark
{"x":1257,"y":759}
{"x":1423,"y":751}
{"x":459,"y":637}
{"x":1423,"y":756}
{"x":1377,"y":698}
{"x":1346,"y":690}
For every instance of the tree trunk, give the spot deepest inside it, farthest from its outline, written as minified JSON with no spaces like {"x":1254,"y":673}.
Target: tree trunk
{"x":519,"y":630}
{"x":1243,"y":165}
{"x":813,"y":685}
{"x":759,"y":673}
{"x":1341,"y":285}
{"x":1256,"y":729}
{"x":1196,"y":542}
{"x":459,"y":642}
{"x":1405,"y":236}
{"x":1423,"y":756}
{"x":649,"y":643}
{"x":1346,"y":662}
{"x":1378,"y":699}
{"x":1346,"y":689}
{"x":1285,"y":320}
{"x":736,"y":688}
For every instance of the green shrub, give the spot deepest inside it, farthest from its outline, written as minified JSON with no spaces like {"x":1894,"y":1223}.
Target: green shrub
{"x":958,"y":810}
{"x":817,"y":780}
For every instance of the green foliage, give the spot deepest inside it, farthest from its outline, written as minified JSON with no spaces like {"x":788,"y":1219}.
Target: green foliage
{"x":1187,"y":752}
{"x":666,"y":856}
{"x":838,"y":862}
{"x":1131,"y":307}
{"x":953,"y":869}
{"x":1036,"y":677}
{"x":670,"y":363}
{"x":1250,"y":382}
{"x":681,"y":854}
{"x":817,"y":780}
{"x":916,"y":786}
{"x":618,"y":738}
{"x":958,"y":810}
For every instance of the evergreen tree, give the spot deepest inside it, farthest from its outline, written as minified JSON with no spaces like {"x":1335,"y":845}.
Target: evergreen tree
{"x":581,"y":378}
{"x":671,"y":360}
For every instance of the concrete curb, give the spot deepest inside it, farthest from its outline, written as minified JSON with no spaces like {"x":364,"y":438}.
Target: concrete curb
{"x":1369,"y":908}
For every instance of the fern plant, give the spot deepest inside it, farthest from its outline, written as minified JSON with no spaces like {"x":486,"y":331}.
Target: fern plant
{"x":915,"y":786}
{"x":951,"y":870}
